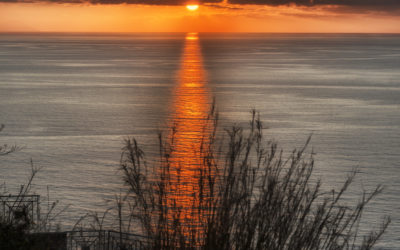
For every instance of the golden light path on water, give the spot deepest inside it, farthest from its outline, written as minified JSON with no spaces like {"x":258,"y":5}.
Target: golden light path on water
{"x":190,"y":107}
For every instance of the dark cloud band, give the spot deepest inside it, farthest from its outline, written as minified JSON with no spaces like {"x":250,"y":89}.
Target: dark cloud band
{"x":370,"y":4}
{"x":144,"y":2}
{"x":151,"y":2}
{"x":320,"y":2}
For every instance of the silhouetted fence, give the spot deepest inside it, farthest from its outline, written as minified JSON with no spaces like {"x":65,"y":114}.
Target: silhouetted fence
{"x":13,"y":206}
{"x":104,"y":240}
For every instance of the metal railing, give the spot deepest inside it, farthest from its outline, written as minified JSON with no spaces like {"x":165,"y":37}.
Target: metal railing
{"x":27,"y":207}
{"x":104,"y":240}
{"x":24,"y":205}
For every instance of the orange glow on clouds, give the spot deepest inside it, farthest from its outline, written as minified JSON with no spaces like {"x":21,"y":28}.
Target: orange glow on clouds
{"x":52,"y":17}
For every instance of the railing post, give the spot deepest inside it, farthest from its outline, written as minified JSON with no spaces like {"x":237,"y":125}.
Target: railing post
{"x":108,"y":240}
{"x":38,"y":208}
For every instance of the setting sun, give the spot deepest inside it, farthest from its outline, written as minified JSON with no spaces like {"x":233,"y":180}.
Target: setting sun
{"x":192,"y":7}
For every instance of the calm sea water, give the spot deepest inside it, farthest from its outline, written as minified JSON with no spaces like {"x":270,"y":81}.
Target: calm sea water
{"x":70,"y":100}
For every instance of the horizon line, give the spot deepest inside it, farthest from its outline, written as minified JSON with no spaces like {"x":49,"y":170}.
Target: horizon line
{"x":185,"y":32}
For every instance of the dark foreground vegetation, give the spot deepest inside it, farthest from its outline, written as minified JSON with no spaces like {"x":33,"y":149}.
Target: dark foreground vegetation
{"x":23,"y":223}
{"x":248,"y":196}
{"x":241,"y":193}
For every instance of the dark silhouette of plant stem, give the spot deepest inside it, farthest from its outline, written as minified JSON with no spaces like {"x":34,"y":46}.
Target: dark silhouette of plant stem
{"x":247,"y":196}
{"x":18,"y":218}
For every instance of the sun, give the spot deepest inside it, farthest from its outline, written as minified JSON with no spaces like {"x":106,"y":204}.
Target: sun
{"x":192,"y":7}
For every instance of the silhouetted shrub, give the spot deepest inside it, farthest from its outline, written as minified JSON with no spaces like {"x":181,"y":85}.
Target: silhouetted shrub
{"x":20,"y":216}
{"x":241,"y":193}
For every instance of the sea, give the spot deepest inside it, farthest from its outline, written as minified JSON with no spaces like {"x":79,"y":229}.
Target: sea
{"x":68,"y":101}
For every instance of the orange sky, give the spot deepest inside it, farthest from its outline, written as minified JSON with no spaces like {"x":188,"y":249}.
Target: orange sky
{"x":53,"y":17}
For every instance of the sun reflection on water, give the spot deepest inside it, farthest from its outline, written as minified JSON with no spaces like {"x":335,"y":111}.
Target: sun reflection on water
{"x":190,"y":107}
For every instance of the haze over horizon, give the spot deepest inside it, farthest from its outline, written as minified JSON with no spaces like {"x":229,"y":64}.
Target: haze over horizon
{"x":283,"y":16}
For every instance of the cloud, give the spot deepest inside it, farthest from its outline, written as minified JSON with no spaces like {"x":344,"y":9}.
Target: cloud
{"x":349,"y":6}
{"x":350,"y":3}
{"x":224,"y":6}
{"x":151,"y":2}
{"x":143,"y":2}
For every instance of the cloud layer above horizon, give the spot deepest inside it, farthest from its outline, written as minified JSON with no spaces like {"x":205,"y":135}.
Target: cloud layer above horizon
{"x":142,"y":2}
{"x":362,"y":5}
{"x":382,"y":3}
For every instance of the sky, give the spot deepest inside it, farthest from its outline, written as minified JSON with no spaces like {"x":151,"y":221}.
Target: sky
{"x":303,"y":16}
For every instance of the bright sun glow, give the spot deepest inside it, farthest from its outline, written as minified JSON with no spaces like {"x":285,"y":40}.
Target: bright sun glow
{"x":192,"y":7}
